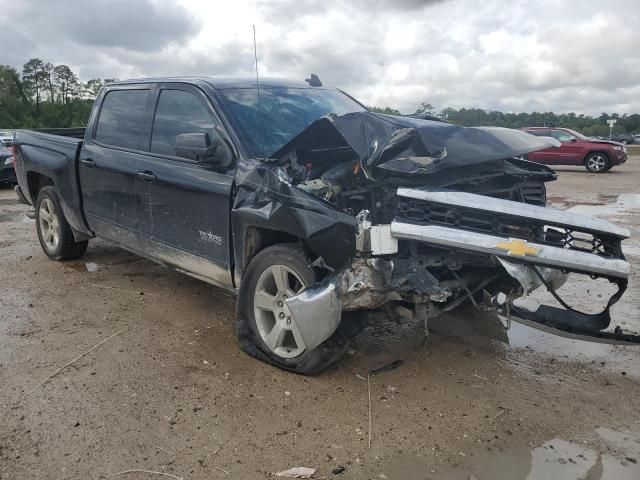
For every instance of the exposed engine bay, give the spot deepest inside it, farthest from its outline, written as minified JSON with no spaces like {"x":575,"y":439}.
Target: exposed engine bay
{"x":439,"y":215}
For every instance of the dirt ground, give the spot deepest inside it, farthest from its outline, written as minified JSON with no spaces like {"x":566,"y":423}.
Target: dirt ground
{"x":172,"y":392}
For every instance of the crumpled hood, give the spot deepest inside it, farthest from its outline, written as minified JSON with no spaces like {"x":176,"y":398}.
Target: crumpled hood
{"x":411,"y":145}
{"x":608,"y":142}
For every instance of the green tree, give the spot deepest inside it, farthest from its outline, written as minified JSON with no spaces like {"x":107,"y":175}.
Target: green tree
{"x":385,"y":110}
{"x":14,"y":106}
{"x":91,"y":88}
{"x":67,"y":83}
{"x":425,"y":109}
{"x":34,"y":78}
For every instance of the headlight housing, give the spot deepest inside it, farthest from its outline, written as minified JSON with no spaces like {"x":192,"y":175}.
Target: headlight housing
{"x":617,"y":147}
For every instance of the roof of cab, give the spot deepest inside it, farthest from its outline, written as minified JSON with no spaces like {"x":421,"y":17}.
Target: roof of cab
{"x":223,"y":82}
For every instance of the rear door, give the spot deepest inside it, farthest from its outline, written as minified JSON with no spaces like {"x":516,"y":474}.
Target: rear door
{"x":109,"y":162}
{"x":185,"y":206}
{"x":545,"y":156}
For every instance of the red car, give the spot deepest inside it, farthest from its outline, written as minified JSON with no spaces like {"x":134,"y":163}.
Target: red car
{"x":596,"y":155}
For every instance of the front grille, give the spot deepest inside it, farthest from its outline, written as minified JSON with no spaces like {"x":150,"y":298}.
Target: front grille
{"x":424,"y":212}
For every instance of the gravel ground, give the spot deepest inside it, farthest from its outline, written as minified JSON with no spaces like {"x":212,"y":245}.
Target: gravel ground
{"x":172,"y":392}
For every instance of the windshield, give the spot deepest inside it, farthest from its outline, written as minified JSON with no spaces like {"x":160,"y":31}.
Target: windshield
{"x":284,"y":112}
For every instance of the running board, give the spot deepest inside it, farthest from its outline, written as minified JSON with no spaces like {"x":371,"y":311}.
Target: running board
{"x":513,"y":249}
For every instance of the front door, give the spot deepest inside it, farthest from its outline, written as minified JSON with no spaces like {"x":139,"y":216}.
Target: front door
{"x":185,"y":206}
{"x":571,"y":147}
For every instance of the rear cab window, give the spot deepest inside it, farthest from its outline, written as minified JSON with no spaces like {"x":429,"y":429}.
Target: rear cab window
{"x":122,"y":119}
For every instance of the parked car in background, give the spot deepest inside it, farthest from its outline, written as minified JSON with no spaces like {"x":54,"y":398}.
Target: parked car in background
{"x":7,"y":172}
{"x":624,"y":138}
{"x":597,"y":156}
{"x":6,"y":137}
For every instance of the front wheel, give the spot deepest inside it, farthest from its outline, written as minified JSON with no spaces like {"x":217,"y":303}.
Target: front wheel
{"x":54,"y":232}
{"x":265,"y":327}
{"x":597,"y":162}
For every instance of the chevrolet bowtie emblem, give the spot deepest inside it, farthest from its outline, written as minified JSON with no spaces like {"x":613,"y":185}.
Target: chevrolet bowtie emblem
{"x":518,"y":248}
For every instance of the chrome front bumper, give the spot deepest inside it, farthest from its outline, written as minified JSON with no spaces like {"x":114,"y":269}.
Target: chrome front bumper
{"x":543,"y":255}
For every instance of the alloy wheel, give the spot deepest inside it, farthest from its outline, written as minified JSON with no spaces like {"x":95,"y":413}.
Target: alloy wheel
{"x":276,"y":325}
{"x":49,"y":224}
{"x":596,"y":163}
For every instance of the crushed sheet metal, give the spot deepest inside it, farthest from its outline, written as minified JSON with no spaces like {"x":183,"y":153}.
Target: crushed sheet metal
{"x":317,"y":311}
{"x":548,"y":215}
{"x":529,"y":280}
{"x":405,"y":145}
{"x":266,"y":198}
{"x":365,"y":284}
{"x":488,"y":244}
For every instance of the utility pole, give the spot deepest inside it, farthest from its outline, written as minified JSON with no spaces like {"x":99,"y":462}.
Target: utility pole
{"x":611,"y":123}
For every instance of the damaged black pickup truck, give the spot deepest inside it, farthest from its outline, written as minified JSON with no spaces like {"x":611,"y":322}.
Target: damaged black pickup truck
{"x":312,"y":209}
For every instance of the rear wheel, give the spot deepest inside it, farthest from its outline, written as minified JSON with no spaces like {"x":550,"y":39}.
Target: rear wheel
{"x":265,"y":327}
{"x":597,"y":162}
{"x":54,"y":232}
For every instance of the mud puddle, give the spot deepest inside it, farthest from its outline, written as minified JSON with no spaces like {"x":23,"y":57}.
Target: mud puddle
{"x":621,"y":359}
{"x":624,"y":203}
{"x":617,"y":457}
{"x":605,"y":205}
{"x":391,"y":344}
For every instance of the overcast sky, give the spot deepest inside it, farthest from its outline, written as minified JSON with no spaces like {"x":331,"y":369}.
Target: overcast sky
{"x":571,"y":55}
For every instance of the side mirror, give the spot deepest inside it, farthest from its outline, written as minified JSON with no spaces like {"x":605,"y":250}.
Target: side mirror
{"x":573,"y":139}
{"x":204,"y":148}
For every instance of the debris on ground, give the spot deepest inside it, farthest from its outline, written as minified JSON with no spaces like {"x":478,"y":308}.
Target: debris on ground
{"x":297,"y":472}
{"x":68,"y":364}
{"x":386,"y":368}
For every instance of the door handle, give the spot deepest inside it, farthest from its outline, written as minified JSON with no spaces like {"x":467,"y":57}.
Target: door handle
{"x":88,"y":162}
{"x":146,"y":176}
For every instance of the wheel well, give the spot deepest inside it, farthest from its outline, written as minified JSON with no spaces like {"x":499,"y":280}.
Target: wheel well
{"x":257,"y":239}
{"x":35,"y":182}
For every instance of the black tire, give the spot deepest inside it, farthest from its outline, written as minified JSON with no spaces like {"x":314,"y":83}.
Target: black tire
{"x":597,"y":162}
{"x":65,"y":248}
{"x":309,"y":362}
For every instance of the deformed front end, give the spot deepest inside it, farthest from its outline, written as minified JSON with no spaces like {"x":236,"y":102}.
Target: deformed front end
{"x":414,"y":218}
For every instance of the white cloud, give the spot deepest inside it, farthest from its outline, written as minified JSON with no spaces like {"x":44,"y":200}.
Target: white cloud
{"x":575,"y":55}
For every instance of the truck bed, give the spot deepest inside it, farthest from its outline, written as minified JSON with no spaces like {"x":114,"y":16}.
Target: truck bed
{"x":62,"y":132}
{"x":52,"y":154}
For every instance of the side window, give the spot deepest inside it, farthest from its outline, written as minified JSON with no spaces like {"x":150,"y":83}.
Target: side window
{"x":122,"y":119}
{"x":539,"y":133}
{"x":561,"y":135}
{"x":178,"y":112}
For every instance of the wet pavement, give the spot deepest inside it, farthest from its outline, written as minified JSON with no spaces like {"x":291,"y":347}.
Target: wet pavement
{"x":173,"y":393}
